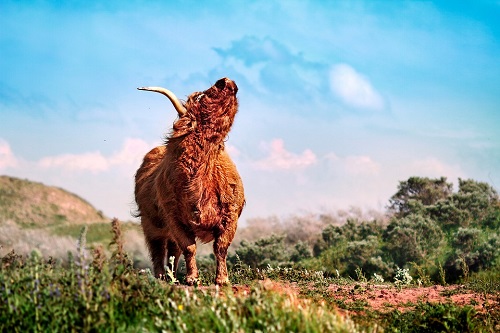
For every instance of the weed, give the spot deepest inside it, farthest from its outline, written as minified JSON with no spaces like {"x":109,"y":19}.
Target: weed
{"x":40,"y":296}
{"x":423,"y":277}
{"x":107,"y":295}
{"x":442,"y":274}
{"x":464,"y":267}
{"x":359,"y":275}
{"x":94,"y":293}
{"x":170,"y":277}
{"x":402,"y":277}
{"x":377,"y":278}
{"x":485,"y":282}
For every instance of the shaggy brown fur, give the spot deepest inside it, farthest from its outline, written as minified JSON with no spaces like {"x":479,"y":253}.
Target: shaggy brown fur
{"x":189,"y":188}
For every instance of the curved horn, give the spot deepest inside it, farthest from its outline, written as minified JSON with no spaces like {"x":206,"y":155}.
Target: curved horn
{"x":181,"y":110}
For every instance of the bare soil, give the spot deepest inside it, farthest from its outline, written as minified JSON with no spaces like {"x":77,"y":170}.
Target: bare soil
{"x":385,"y":298}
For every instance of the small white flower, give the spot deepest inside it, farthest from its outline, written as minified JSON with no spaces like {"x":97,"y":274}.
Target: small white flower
{"x":378,"y":278}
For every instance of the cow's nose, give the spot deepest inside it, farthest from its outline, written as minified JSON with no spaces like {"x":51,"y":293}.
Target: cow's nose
{"x":221,"y":84}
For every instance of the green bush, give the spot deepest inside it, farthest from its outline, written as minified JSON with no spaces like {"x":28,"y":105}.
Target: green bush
{"x":416,"y":193}
{"x":351,"y":247}
{"x":473,"y":255}
{"x":365,"y":255}
{"x":411,"y":239}
{"x":301,"y":251}
{"x":430,"y":225}
{"x":263,"y":252}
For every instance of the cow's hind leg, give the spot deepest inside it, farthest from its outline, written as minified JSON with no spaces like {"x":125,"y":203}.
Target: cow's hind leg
{"x":157,"y":249}
{"x":189,"y":251}
{"x":186,"y":241}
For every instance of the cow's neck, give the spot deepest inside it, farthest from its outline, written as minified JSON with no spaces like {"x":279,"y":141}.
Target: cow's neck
{"x":197,"y":151}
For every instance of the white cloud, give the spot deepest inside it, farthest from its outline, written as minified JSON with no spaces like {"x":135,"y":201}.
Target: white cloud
{"x":94,"y":162}
{"x":354,"y":164}
{"x":361,"y":165}
{"x":433,"y":167}
{"x":353,"y":88}
{"x":130,"y":154}
{"x":7,"y":158}
{"x":233,"y":151}
{"x":280,"y":159}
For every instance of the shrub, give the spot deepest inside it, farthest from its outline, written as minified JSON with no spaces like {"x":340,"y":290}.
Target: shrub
{"x":301,"y":251}
{"x":475,"y":255}
{"x":416,"y":193}
{"x":263,"y":252}
{"x":411,"y":239}
{"x":365,"y":255}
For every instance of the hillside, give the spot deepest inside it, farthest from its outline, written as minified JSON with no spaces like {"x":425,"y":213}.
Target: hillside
{"x":32,"y":204}
{"x":34,"y":216}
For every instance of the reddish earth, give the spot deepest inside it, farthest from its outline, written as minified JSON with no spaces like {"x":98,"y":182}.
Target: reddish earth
{"x":386,"y":298}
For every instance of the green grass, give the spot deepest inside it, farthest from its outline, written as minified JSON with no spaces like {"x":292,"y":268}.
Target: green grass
{"x":110,"y":296}
{"x":94,"y":293}
{"x":432,"y":318}
{"x":486,"y":281}
{"x":97,"y":294}
{"x":97,"y":232}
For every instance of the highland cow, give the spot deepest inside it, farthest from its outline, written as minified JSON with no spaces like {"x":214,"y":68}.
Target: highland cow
{"x":188,"y":188}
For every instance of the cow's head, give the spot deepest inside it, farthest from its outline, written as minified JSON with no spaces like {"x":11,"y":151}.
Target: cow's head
{"x":209,"y":113}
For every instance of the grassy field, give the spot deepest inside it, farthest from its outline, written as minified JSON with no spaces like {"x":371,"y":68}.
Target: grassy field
{"x":94,"y":292}
{"x":432,"y":264}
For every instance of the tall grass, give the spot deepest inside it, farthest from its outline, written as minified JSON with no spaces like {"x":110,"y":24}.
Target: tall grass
{"x":101,"y":291}
{"x":24,"y":241}
{"x":95,"y":293}
{"x":56,"y":241}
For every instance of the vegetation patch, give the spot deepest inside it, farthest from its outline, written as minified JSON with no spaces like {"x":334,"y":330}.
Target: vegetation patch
{"x":33,"y":205}
{"x":95,"y":293}
{"x":97,"y":232}
{"x":430,"y":265}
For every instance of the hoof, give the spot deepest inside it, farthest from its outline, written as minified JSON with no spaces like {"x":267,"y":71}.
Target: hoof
{"x":222,"y":282}
{"x":191,"y":281}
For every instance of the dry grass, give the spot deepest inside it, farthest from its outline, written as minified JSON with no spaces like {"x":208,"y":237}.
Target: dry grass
{"x":44,"y":241}
{"x":24,"y":241}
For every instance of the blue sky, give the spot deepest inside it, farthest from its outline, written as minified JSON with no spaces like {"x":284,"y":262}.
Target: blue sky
{"x":339,"y":100}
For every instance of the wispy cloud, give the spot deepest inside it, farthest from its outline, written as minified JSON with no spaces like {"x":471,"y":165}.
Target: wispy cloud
{"x":354,"y":88}
{"x":93,"y":161}
{"x":361,"y":165}
{"x":252,"y":50}
{"x":266,"y":62}
{"x":279,"y":158}
{"x":434,"y":167}
{"x":7,"y":158}
{"x":354,"y":165}
{"x":130,"y":154}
